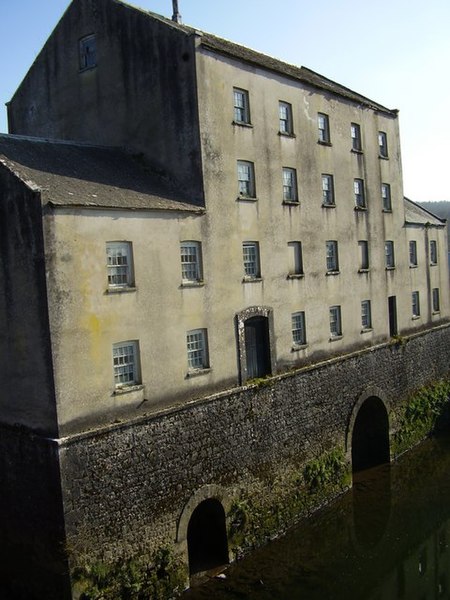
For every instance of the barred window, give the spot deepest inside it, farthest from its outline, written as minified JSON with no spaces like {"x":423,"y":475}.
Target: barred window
{"x":289,"y":185}
{"x":125,"y":363}
{"x":436,"y":300}
{"x":191,"y":262}
{"x":389,"y":254}
{"x":412,"y":253}
{"x":327,"y":190}
{"x":366,"y":316}
{"x":382,"y":144}
{"x":298,"y":328}
{"x":433,"y":252}
{"x":323,"y":125}
{"x":335,"y":321}
{"x":241,"y":106}
{"x":197,"y":349}
{"x":332,"y":256}
{"x":360,"y":198}
{"x":250,"y":251}
{"x":285,"y":112}
{"x":246,"y":179}
{"x":355,"y":130}
{"x":119,"y":264}
{"x":386,"y":197}
{"x":415,"y":301}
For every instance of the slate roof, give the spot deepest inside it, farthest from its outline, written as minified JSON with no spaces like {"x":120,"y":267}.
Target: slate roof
{"x":302,"y":74}
{"x":77,"y":174}
{"x":417,"y":215}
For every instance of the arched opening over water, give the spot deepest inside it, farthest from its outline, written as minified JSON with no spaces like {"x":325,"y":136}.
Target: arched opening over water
{"x":370,"y":435}
{"x":207,"y":537}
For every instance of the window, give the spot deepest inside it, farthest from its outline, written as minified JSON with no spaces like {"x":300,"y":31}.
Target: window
{"x":197,"y":349}
{"x":389,"y":254}
{"x":366,"y":315}
{"x":87,"y":52}
{"x":358,"y":188}
{"x":295,"y":259}
{"x":415,"y":304}
{"x":252,"y":268}
{"x":241,"y":106}
{"x":433,"y":252}
{"x":289,"y":185}
{"x":332,"y":256}
{"x":191,"y":262}
{"x":246,"y":179}
{"x":119,"y":265}
{"x":363,"y":255}
{"x":412,"y":254}
{"x":298,"y":329}
{"x":285,"y":113}
{"x":382,"y":144}
{"x":126,"y":364}
{"x":436,"y":301}
{"x":386,"y":197}
{"x":335,"y":321}
{"x":327,"y":190}
{"x":355,"y":130}
{"x":324,"y":128}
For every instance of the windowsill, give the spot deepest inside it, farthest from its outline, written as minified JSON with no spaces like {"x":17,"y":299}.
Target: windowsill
{"x":84,"y":69}
{"x":390,"y":268}
{"x":355,"y":151}
{"x":198,"y":372}
{"x":192,"y":284}
{"x":361,"y":208}
{"x":330,"y":205}
{"x":127,"y":389}
{"x":295,"y":276}
{"x":121,"y":290}
{"x":433,"y":264}
{"x":436,"y":312}
{"x":286,"y":134}
{"x":366,"y":329}
{"x":298,"y":347}
{"x":364,"y":270}
{"x":383,"y":157}
{"x":242,"y":124}
{"x":335,"y":338}
{"x":248,"y":279}
{"x":247,"y":199}
{"x":323,"y":143}
{"x":331,"y":273}
{"x":387,"y":210}
{"x":413,"y":266}
{"x":291,"y":202}
{"x":415,"y":317}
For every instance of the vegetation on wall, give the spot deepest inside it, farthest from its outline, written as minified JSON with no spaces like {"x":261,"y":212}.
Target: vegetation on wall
{"x":423,"y":412}
{"x":129,"y":579}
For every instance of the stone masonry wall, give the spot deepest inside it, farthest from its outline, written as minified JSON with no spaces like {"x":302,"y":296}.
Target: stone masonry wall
{"x":125,"y":487}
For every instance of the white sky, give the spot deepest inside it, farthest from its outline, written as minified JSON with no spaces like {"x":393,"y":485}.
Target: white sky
{"x":396,"y":52}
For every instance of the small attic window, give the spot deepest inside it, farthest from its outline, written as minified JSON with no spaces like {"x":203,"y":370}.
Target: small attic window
{"x":87,"y":52}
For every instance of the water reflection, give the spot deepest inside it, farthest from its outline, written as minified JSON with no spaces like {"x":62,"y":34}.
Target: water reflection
{"x":386,"y":540}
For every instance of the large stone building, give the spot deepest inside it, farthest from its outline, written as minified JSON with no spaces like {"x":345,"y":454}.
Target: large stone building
{"x":181,"y":215}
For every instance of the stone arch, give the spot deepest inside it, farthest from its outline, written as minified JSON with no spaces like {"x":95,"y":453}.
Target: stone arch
{"x":367,"y":436}
{"x":262,"y":318}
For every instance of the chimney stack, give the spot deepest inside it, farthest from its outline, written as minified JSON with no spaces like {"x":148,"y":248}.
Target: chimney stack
{"x":176,"y":15}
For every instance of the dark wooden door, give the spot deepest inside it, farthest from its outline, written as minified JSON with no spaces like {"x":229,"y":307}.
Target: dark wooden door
{"x":257,"y":347}
{"x":392,"y":305}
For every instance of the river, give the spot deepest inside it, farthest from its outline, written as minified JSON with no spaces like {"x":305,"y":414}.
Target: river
{"x":388,"y":538}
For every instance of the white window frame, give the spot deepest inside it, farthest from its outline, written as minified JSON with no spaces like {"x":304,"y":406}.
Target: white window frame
{"x":359,"y":193}
{"x":290,"y":192}
{"x":197,"y":350}
{"x":251,"y":260}
{"x":323,"y":125}
{"x":246,"y":179}
{"x":191,"y":262}
{"x":332,"y":256}
{"x":389,"y":254}
{"x":355,"y":132}
{"x":382,"y":144}
{"x":415,"y":304}
{"x":298,"y":326}
{"x":436,"y":300}
{"x":296,"y":259}
{"x":327,"y":190}
{"x":335,"y":321}
{"x":366,"y":315}
{"x":119,"y":265}
{"x":285,"y":118}
{"x":87,"y":52}
{"x":241,"y":106}
{"x":364,"y":259}
{"x":433,"y":252}
{"x":126,"y":367}
{"x":412,"y":253}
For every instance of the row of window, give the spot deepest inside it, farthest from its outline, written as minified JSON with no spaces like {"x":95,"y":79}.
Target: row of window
{"x":121,"y":275}
{"x":126,"y":354}
{"x":247,"y":187}
{"x":241,"y":101}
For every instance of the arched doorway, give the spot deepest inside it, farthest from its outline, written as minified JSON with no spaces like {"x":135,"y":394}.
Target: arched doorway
{"x":207,"y":537}
{"x":370,"y":436}
{"x":257,"y":347}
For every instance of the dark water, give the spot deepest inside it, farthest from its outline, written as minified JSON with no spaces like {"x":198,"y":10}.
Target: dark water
{"x":386,"y":539}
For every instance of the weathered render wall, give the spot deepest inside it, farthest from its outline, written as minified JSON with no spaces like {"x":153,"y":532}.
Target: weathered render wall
{"x":129,"y":489}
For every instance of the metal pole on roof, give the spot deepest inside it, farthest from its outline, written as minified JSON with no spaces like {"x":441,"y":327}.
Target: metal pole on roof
{"x":176,"y":15}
